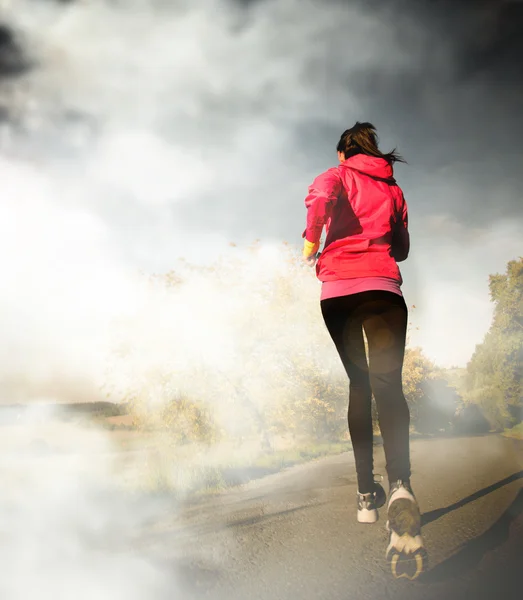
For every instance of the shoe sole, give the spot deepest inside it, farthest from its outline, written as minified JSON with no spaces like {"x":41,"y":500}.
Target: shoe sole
{"x":407,"y":565}
{"x":367,"y":516}
{"x":405,"y":553}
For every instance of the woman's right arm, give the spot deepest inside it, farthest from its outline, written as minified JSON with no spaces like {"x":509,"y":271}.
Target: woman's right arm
{"x":322,"y":197}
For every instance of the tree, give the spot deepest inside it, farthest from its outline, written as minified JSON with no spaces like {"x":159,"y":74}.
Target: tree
{"x":494,"y":373}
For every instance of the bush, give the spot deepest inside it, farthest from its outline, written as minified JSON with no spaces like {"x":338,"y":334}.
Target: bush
{"x":238,"y":349}
{"x":470,"y":420}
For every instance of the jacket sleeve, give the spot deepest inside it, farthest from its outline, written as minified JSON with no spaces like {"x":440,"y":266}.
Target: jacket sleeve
{"x":322,"y":197}
{"x":400,"y":245}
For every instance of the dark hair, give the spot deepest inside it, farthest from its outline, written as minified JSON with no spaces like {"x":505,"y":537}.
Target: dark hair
{"x":361,"y":138}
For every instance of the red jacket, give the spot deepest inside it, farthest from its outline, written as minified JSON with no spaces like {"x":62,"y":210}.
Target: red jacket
{"x":365,"y":215}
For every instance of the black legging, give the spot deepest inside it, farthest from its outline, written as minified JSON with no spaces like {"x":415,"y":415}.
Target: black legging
{"x":383,"y":316}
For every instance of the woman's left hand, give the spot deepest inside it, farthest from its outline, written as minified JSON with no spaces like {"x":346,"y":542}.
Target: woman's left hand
{"x":311,"y":261}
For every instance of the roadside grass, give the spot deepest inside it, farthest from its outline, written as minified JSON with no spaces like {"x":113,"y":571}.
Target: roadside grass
{"x":240,"y":472}
{"x":288,"y":458}
{"x":166,"y":468}
{"x":514,"y":432}
{"x":204,"y":480}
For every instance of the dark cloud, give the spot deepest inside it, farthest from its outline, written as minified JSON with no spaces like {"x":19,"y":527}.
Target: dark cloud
{"x":453,"y":108}
{"x":13,"y":60}
{"x":440,"y":79}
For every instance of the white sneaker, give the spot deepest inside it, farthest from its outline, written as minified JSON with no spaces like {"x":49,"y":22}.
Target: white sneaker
{"x":368,"y":504}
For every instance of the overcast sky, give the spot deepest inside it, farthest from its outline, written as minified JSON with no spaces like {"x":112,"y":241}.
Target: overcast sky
{"x":155,"y":130}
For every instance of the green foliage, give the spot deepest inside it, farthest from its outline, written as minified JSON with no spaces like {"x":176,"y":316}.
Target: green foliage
{"x":455,"y":378}
{"x":315,"y":405}
{"x":515,"y":432}
{"x":417,"y":369}
{"x":185,"y":420}
{"x":495,"y":371}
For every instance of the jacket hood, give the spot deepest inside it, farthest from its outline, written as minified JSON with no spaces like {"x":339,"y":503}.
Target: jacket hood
{"x":370,"y":165}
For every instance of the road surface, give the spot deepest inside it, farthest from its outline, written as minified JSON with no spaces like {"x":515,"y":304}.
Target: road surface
{"x":294,"y":535}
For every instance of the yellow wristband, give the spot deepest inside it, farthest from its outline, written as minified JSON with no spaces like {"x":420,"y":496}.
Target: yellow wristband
{"x":310,"y":248}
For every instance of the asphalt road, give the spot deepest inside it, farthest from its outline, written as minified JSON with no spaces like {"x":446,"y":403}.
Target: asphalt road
{"x":294,"y":535}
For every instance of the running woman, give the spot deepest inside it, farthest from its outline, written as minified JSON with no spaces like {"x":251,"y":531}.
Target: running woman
{"x":365,"y":215}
